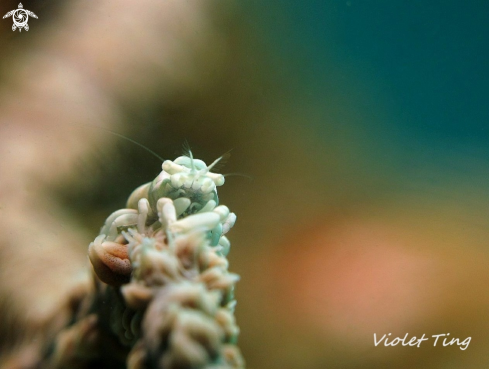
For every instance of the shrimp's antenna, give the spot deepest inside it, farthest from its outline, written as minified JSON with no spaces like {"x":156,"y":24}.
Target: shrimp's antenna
{"x":136,"y":143}
{"x":188,"y":152}
{"x":186,"y":148}
{"x":222,"y":159}
{"x":239,"y":174}
{"x":192,"y":161}
{"x":125,"y":138}
{"x":214,"y":163}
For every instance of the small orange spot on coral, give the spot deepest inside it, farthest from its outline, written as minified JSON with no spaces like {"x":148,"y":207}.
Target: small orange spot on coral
{"x":110,"y":262}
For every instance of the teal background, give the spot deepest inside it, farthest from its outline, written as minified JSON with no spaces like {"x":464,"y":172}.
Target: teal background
{"x":413,"y":72}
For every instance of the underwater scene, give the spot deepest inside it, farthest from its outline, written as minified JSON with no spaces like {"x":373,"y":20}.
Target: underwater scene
{"x":244,"y":184}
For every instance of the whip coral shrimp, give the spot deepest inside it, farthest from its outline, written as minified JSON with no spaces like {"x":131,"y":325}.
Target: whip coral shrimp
{"x":181,"y":198}
{"x":185,"y":177}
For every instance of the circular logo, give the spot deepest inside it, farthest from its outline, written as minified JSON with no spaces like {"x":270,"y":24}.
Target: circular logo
{"x":20,"y":17}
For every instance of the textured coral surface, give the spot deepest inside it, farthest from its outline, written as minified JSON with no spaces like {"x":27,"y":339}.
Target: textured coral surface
{"x":163,"y":296}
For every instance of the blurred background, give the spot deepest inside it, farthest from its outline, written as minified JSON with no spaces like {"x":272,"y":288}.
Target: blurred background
{"x":362,"y":123}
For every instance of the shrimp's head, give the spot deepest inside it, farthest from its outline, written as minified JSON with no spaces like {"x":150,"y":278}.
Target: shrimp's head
{"x":192,"y":175}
